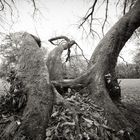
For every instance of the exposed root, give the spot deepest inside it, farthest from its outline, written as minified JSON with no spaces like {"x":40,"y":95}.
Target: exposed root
{"x":80,"y":81}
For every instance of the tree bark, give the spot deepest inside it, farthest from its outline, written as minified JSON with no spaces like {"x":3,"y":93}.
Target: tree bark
{"x":33,"y":72}
{"x":105,"y":58}
{"x":103,"y":61}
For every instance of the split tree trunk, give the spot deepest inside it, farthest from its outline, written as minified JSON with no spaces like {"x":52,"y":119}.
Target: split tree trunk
{"x":33,"y":72}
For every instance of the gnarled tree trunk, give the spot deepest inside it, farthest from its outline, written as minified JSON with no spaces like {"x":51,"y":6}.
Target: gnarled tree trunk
{"x":33,"y":72}
{"x":105,"y":57}
{"x":103,"y":61}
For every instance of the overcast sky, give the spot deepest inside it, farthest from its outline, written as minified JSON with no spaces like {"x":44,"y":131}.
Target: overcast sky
{"x":62,"y":17}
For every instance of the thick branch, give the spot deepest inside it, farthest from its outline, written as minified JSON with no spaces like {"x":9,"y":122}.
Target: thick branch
{"x":59,"y":37}
{"x":81,"y":81}
{"x":54,"y":62}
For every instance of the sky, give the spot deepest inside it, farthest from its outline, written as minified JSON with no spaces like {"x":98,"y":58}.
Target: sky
{"x":62,"y":17}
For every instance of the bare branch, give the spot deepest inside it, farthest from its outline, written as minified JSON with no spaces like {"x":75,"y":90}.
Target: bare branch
{"x":35,"y":7}
{"x":93,"y":31}
{"x":69,"y":44}
{"x":13,"y":2}
{"x":106,"y":11}
{"x":131,"y":4}
{"x":83,"y":53}
{"x":57,"y":38}
{"x":2,"y":5}
{"x":8,"y":6}
{"x":34,"y":4}
{"x":124,"y":60}
{"x":117,"y":3}
{"x":125,"y":5}
{"x":137,"y":35}
{"x":89,"y":15}
{"x":89,"y":18}
{"x":7,"y":3}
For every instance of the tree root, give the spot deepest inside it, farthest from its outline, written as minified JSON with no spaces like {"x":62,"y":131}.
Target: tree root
{"x":81,"y":81}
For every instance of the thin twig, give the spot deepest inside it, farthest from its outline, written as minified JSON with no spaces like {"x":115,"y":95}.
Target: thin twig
{"x":124,"y":8}
{"x":11,"y":10}
{"x":117,"y":3}
{"x":131,"y":5}
{"x":124,"y":60}
{"x":35,"y":8}
{"x":106,"y":11}
{"x":82,"y":53}
{"x":2,"y":5}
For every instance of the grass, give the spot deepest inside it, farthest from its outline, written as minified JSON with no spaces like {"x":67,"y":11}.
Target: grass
{"x":130,"y":91}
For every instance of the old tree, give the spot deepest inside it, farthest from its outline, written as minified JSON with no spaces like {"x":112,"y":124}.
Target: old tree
{"x":41,"y":79}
